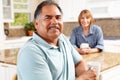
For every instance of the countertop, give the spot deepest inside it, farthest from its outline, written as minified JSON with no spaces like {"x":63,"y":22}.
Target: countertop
{"x":9,"y":49}
{"x":12,"y":43}
{"x":106,"y":59}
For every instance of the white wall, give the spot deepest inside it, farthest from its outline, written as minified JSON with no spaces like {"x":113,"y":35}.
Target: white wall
{"x":71,"y":9}
{"x":2,"y":35}
{"x":33,"y":5}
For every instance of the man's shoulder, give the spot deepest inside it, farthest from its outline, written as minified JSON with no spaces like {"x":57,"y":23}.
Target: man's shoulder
{"x":63,"y":37}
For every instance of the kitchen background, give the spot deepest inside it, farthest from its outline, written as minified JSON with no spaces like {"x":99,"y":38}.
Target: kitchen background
{"x":105,"y":12}
{"x":106,"y":15}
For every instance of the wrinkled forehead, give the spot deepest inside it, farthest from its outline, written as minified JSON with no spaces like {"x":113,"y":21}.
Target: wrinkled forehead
{"x":50,"y":10}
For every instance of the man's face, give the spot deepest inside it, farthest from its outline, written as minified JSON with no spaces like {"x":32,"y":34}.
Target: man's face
{"x":49,"y":25}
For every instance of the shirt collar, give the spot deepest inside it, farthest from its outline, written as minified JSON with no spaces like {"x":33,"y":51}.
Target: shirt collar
{"x":90,"y":31}
{"x":42,"y":42}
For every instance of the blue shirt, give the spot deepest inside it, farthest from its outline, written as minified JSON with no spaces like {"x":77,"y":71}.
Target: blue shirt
{"x":94,"y":37}
{"x":38,"y":60}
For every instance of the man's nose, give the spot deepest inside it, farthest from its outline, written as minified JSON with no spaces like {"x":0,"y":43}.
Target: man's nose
{"x":54,"y":20}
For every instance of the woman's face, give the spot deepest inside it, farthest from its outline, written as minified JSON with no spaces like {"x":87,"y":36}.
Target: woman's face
{"x":85,"y":20}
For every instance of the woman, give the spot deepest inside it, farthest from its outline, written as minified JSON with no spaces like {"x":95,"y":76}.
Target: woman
{"x":87,"y":33}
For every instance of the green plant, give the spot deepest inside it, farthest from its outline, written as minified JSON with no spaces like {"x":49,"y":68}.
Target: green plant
{"x":29,"y":26}
{"x":20,"y":19}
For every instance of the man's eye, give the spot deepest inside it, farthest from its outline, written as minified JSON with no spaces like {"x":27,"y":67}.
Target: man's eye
{"x":48,"y":17}
{"x":58,"y":17}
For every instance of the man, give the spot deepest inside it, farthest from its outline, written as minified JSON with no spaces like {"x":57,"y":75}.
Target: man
{"x":48,"y":55}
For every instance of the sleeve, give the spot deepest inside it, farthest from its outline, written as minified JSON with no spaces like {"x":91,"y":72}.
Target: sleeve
{"x":76,"y":56}
{"x":73,"y":38}
{"x":100,"y":40}
{"x":32,"y":65}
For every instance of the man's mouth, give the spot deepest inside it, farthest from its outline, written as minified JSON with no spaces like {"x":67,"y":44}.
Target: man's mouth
{"x":53,"y":27}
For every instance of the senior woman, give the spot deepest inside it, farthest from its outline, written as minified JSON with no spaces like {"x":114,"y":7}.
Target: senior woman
{"x":87,"y":33}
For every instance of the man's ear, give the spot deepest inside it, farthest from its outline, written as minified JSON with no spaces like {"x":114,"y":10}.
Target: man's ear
{"x":35,"y":23}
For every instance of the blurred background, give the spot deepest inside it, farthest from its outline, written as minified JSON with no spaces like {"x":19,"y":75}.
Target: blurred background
{"x":16,"y":17}
{"x":16,"y":13}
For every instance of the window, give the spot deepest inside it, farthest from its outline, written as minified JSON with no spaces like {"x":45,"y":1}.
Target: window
{"x":21,"y":13}
{"x":20,"y":19}
{"x":21,"y":6}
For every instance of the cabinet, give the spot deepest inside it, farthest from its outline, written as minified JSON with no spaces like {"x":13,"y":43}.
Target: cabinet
{"x":99,"y":8}
{"x":8,"y":15}
{"x":104,"y":8}
{"x":2,"y":35}
{"x":71,"y":9}
{"x":114,"y":9}
{"x":2,"y":73}
{"x":7,"y":71}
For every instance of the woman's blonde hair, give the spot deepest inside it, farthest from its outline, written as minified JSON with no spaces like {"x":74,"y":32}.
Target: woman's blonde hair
{"x":88,"y":13}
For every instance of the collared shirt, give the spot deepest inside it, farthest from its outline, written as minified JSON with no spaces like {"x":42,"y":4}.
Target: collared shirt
{"x":94,"y":37}
{"x":38,"y":60}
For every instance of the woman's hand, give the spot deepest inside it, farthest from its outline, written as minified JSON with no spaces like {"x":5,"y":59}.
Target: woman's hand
{"x":84,"y":51}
